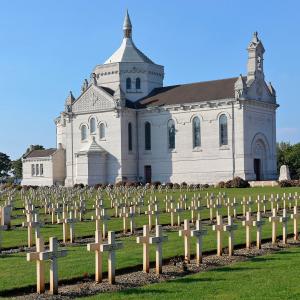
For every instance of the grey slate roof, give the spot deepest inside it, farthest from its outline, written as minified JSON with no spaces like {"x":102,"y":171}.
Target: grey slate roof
{"x":40,"y":153}
{"x":189,"y":93}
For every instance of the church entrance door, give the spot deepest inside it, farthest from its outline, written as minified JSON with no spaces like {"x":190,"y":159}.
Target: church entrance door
{"x":257,"y":169}
{"x":148,"y":174}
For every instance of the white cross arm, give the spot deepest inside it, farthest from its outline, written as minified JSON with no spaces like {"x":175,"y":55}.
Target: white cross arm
{"x":111,"y":247}
{"x":49,"y":255}
{"x":158,"y":239}
{"x":198,"y":233}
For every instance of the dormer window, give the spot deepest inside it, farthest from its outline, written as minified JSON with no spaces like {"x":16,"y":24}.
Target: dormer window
{"x":128,"y":83}
{"x":138,"y":83}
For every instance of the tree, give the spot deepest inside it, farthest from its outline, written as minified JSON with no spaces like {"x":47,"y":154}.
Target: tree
{"x":289,"y":155}
{"x":17,"y":164}
{"x":5,"y":164}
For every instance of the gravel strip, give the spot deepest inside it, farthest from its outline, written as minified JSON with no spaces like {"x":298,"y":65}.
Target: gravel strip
{"x":175,"y":269}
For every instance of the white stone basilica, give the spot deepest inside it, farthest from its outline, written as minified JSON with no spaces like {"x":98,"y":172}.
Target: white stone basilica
{"x":126,"y":126}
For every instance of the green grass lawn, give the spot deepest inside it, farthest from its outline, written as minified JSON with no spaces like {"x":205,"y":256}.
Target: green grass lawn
{"x":274,"y":276}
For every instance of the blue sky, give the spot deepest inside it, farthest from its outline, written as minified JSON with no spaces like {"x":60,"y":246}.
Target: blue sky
{"x":48,"y":47}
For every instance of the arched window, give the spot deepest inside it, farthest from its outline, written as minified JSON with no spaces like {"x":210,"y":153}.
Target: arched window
{"x":129,"y":137}
{"x":223,"y":128}
{"x":196,"y":133}
{"x":138,"y":83}
{"x":128,"y":83}
{"x":83,"y":133}
{"x":102,"y":131}
{"x":92,"y":125}
{"x":171,"y":134}
{"x":147,"y":136}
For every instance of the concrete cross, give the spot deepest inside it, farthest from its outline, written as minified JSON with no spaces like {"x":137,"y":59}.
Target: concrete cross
{"x":145,"y":240}
{"x":274,"y":219}
{"x":258,"y":223}
{"x":53,"y":254}
{"x":295,"y":216}
{"x":172,"y":210}
{"x":40,"y":265}
{"x":158,"y":240}
{"x":230,"y":228}
{"x":186,"y":234}
{"x":248,"y":223}
{"x":234,"y":204}
{"x":111,"y":246}
{"x":219,"y":229}
{"x":123,"y":215}
{"x":156,"y":214}
{"x":178,"y":210}
{"x":198,"y":233}
{"x":98,"y":255}
{"x":149,"y":212}
{"x":284,"y":220}
{"x":217,"y":206}
{"x":244,"y":204}
{"x":131,"y":215}
{"x":210,"y":206}
{"x":30,"y":224}
{"x":65,"y":221}
{"x":97,"y":217}
{"x":104,"y":217}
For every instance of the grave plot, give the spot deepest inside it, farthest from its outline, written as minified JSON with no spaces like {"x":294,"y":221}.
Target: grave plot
{"x":96,"y":235}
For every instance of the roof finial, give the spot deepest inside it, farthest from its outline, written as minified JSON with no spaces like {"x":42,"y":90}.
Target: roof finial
{"x":127,"y":27}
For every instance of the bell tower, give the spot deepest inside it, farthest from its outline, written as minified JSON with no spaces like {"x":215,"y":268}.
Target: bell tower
{"x":255,"y":67}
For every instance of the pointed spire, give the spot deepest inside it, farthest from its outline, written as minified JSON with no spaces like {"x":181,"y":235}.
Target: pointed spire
{"x":271,"y":89}
{"x":127,"y":27}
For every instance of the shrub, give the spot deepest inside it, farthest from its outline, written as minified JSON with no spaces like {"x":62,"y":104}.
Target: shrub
{"x":78,"y":185}
{"x":156,"y":184}
{"x":221,"y":184}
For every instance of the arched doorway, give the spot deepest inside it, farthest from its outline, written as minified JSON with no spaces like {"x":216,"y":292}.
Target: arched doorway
{"x":259,"y":155}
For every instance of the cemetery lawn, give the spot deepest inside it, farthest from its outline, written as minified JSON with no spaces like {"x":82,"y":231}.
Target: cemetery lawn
{"x":274,"y":276}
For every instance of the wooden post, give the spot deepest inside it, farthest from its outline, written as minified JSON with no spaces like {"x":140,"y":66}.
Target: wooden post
{"x":274,"y":220}
{"x":295,"y":216}
{"x":53,"y":254}
{"x":186,"y":234}
{"x":40,"y":266}
{"x":198,"y":234}
{"x":230,"y":228}
{"x":248,"y":223}
{"x":158,"y":240}
{"x":284,"y":220}
{"x":258,"y":224}
{"x":111,"y":246}
{"x":219,"y":229}
{"x":98,"y":255}
{"x":145,"y":240}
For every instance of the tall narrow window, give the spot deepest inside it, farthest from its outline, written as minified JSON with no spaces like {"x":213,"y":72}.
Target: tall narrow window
{"x":147,"y":136}
{"x":223,"y":128}
{"x":171,"y":134}
{"x":41,"y":169}
{"x":92,"y":125}
{"x":37,"y":173}
{"x":32,"y":170}
{"x":196,"y":133}
{"x":128,"y":83}
{"x":138,"y":83}
{"x":83,"y":133}
{"x":129,"y":137}
{"x":102,"y":131}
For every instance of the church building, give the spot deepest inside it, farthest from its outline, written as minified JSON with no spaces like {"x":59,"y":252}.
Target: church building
{"x":127,"y":126}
